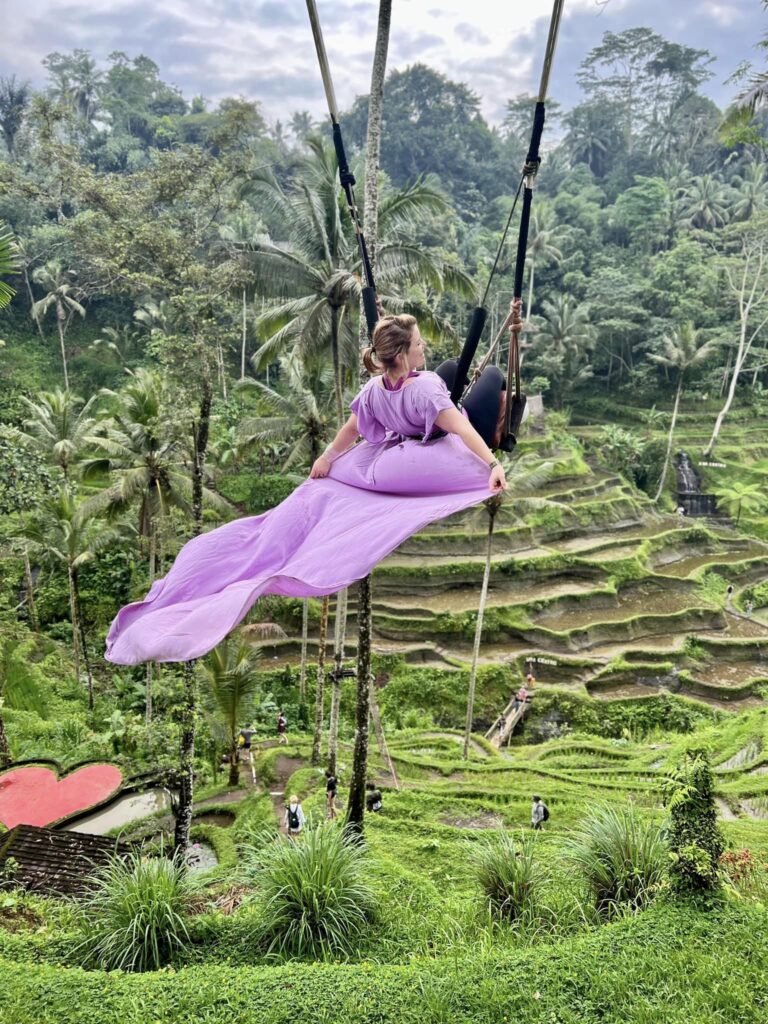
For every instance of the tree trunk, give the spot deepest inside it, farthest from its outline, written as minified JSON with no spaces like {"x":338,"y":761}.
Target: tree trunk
{"x":149,"y":669}
{"x":234,"y":763}
{"x":320,"y":688}
{"x":73,"y":617}
{"x":83,"y":641}
{"x":493,"y":507}
{"x":189,"y":702}
{"x":34,"y":622}
{"x":186,"y":761}
{"x":59,"y":320}
{"x":338,"y":662}
{"x":337,"y":365}
{"x":304,"y":635}
{"x":245,"y":337}
{"x":31,"y":297}
{"x":5,"y":750}
{"x":665,"y":467}
{"x":356,"y":809}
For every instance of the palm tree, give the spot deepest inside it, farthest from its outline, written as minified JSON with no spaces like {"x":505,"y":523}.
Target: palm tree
{"x":356,"y":804}
{"x":739,"y":497}
{"x":706,"y":202}
{"x":230,"y":672}
{"x":119,"y":343}
{"x":59,"y":289}
{"x":64,"y":534}
{"x":751,"y":197}
{"x":540,"y":247}
{"x":19,"y":679}
{"x":14,"y":100}
{"x":525,"y":474}
{"x":145,"y":456}
{"x":241,"y":233}
{"x":563,"y":345}
{"x":302,"y":415}
{"x":9,"y":263}
{"x":58,"y":428}
{"x":682,"y":350}
{"x":316,"y":274}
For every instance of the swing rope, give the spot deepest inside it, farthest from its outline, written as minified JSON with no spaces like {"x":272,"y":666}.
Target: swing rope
{"x":515,"y":400}
{"x":346,"y":177}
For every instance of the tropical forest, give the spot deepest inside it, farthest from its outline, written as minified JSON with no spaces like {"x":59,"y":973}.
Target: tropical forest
{"x":383,"y":740}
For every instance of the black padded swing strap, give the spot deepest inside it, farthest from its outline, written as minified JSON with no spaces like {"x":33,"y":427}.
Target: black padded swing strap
{"x":515,"y":400}
{"x":346,"y":177}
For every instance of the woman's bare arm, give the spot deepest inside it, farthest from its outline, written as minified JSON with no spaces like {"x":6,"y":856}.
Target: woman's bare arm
{"x":346,"y":437}
{"x":452,"y":422}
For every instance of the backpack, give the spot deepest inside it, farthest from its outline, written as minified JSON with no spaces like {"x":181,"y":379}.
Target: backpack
{"x":293,"y":818}
{"x":376,"y":805}
{"x":546,"y":812}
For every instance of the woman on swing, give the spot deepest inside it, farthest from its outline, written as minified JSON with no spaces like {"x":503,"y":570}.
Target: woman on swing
{"x":420,"y":460}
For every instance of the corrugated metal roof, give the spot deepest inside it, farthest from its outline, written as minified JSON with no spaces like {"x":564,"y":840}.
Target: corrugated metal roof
{"x":56,"y":862}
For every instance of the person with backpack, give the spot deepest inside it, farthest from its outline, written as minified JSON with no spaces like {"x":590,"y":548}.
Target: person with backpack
{"x":539,"y":813}
{"x":294,"y":820}
{"x":331,"y":784}
{"x":282,"y":727}
{"x":372,"y":798}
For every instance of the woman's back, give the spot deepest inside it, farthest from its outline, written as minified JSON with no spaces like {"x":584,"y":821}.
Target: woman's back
{"x":410,"y":411}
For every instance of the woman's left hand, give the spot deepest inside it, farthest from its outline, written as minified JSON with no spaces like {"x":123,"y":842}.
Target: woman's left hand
{"x":498,"y":481}
{"x":321,"y":468}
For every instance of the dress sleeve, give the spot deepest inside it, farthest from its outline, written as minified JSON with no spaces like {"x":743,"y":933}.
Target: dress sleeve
{"x":430,"y":399}
{"x":367,"y":424}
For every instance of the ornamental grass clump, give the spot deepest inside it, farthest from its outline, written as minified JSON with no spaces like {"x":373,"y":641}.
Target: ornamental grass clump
{"x":135,"y":914}
{"x":622,"y":858}
{"x":316,"y":899}
{"x":510,"y":879}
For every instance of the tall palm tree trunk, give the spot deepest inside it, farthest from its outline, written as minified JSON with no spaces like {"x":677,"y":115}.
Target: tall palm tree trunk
{"x":338,"y":661}
{"x":189,"y":701}
{"x":34,"y":622}
{"x":320,"y":687}
{"x":356,"y":807}
{"x":304,"y":638}
{"x":245,"y":337}
{"x":5,"y":750}
{"x":83,"y":641}
{"x":73,"y":617}
{"x":337,"y":371}
{"x":60,"y":318}
{"x":670,"y":439}
{"x":493,"y":507}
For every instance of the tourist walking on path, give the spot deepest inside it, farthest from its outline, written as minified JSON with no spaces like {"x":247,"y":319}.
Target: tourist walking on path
{"x":294,"y":819}
{"x":539,"y":813}
{"x":244,"y":741}
{"x":521,"y":696}
{"x":729,"y":598}
{"x":331,"y":784}
{"x":282,"y":727}
{"x":373,"y":801}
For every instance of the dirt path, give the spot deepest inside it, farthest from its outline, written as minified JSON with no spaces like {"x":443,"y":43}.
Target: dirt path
{"x":475,"y":746}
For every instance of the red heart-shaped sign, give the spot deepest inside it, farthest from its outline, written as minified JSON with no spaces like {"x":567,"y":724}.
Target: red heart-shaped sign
{"x":33,"y":795}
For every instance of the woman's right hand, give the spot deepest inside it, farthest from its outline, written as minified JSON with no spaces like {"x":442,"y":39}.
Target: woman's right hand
{"x":321,"y":467}
{"x":498,"y":481}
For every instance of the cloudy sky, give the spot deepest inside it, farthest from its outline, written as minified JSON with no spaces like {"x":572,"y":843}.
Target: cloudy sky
{"x":262,"y":49}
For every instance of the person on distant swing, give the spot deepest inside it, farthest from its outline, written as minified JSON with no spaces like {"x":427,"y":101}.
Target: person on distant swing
{"x":419,"y":460}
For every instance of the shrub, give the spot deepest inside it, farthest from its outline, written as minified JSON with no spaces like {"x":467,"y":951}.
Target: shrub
{"x":135,"y":914}
{"x":695,"y":841}
{"x":622,"y":858}
{"x":511,"y":881}
{"x":316,"y":897}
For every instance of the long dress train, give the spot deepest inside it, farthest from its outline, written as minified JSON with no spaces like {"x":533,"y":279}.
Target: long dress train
{"x":326,"y":535}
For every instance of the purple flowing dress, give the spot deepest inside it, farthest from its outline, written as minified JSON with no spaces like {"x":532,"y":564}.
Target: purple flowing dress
{"x":327,"y":534}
